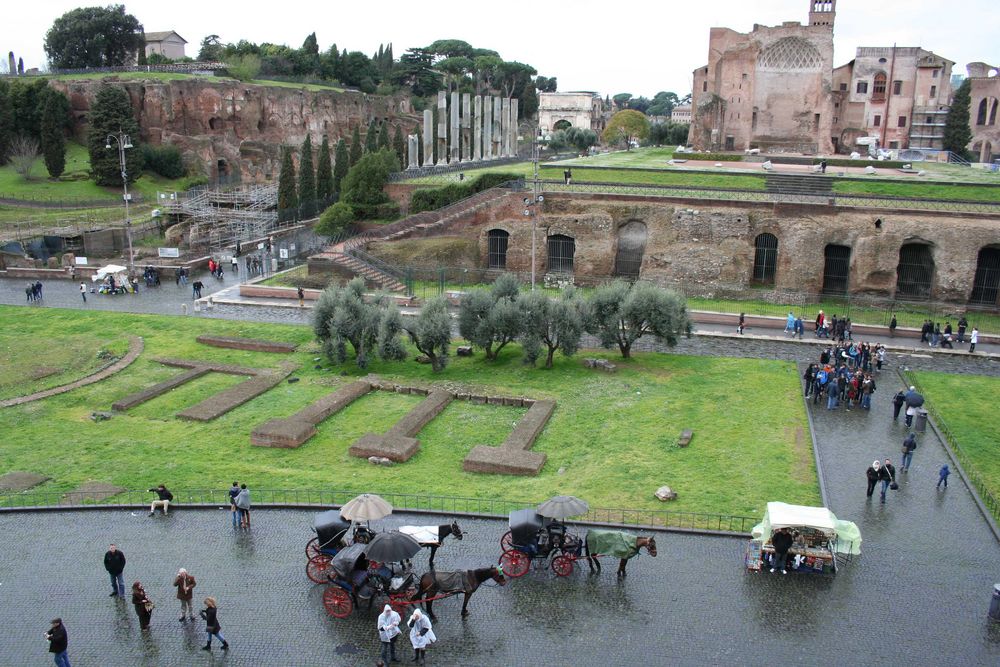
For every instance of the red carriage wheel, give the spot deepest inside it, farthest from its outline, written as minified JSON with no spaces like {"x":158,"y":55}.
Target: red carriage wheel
{"x":316,"y":568}
{"x":312,"y":548}
{"x":337,"y":602}
{"x":507,"y":542}
{"x":562,"y":566}
{"x":514,"y":563}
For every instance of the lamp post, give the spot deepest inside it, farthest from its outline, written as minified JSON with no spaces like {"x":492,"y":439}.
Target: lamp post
{"x":530,"y":203}
{"x":123,"y":143}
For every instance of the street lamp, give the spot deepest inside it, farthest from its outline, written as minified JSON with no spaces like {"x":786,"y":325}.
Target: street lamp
{"x":537,"y":198}
{"x":123,"y":143}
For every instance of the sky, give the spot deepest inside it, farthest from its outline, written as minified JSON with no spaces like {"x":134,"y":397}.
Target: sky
{"x":641,"y":48}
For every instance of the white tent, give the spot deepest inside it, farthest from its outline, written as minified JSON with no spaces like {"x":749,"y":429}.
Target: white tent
{"x":105,"y":271}
{"x":844,"y":535}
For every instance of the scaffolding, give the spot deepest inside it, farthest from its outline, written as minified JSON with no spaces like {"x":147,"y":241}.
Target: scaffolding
{"x":221,"y":218}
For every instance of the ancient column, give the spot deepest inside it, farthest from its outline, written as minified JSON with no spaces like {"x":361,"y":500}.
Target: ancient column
{"x":513,"y":126}
{"x":428,"y":138}
{"x":505,"y":128}
{"x":488,"y":127}
{"x":456,"y":136}
{"x":442,"y":139}
{"x":412,"y":149}
{"x":497,"y":125}
{"x":477,"y":120}
{"x":466,"y":127}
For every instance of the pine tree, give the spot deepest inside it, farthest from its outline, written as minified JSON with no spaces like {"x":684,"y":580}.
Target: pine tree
{"x":383,"y":136}
{"x":356,"y":148}
{"x":399,"y":145}
{"x":288,"y":202}
{"x":371,"y":137}
{"x":957,"y":133}
{"x":112,"y":113}
{"x":324,"y":175}
{"x":342,"y":162}
{"x":307,"y":180}
{"x":55,"y":110}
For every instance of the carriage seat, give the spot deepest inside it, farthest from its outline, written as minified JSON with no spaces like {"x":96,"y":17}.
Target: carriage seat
{"x":397,"y":584}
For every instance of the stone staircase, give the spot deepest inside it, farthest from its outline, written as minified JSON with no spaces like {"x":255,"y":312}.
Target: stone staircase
{"x":799,"y":184}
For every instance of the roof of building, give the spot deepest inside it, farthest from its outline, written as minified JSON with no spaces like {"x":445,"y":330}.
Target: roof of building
{"x":161,"y":36}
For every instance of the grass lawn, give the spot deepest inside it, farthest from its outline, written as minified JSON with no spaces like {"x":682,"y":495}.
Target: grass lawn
{"x":639,"y":157}
{"x":921,"y":190}
{"x":965,"y":403}
{"x":613,"y":433}
{"x":68,"y":357}
{"x":153,"y":76}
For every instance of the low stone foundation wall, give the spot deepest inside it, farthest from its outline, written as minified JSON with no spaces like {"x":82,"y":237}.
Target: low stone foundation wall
{"x":251,"y":344}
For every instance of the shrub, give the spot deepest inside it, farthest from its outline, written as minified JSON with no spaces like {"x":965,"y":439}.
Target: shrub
{"x":164,"y":160}
{"x":244,"y":68}
{"x":710,"y":157}
{"x":335,"y":219}
{"x":435,"y":198}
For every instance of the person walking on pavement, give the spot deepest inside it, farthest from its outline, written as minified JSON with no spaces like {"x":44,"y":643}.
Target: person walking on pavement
{"x":243,"y":504}
{"x":114,"y":563}
{"x":212,"y":627}
{"x":234,"y":491}
{"x":58,"y":642}
{"x":892,"y":327}
{"x":909,"y":444}
{"x":83,"y":291}
{"x":196,"y":289}
{"x":421,"y":635}
{"x":302,"y":297}
{"x":886,"y":475}
{"x":185,"y":584}
{"x":911,"y":409}
{"x":143,"y":605}
{"x":963,"y":324}
{"x":872,"y":474}
{"x":973,"y":339}
{"x":943,"y":476}
{"x":388,"y":633}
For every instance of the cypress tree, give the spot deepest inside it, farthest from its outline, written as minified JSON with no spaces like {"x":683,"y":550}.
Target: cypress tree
{"x":383,"y":136}
{"x":55,"y":108}
{"x":6,"y":120}
{"x":288,"y":202}
{"x":112,"y":113}
{"x":957,"y":133}
{"x":371,"y":137}
{"x":342,"y":162}
{"x":307,"y":180}
{"x":324,"y":175}
{"x":356,"y":149}
{"x":399,"y":145}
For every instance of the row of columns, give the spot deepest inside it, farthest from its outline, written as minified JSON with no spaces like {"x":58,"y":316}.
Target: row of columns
{"x":483,"y":127}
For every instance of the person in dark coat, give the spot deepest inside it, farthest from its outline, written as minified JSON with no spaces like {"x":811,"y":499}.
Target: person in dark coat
{"x":892,"y":326}
{"x":909,"y":444}
{"x":212,"y":627}
{"x":234,"y":491}
{"x":886,"y":475}
{"x":143,"y":605}
{"x":58,"y":642}
{"x":781,"y":540}
{"x":897,"y":404}
{"x":114,"y":563}
{"x":872,"y":474}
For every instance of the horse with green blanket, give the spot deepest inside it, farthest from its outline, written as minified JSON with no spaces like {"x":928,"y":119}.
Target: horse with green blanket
{"x":616,"y":544}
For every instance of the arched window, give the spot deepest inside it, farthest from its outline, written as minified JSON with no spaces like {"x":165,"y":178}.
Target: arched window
{"x":765,"y":258}
{"x":496,"y":240}
{"x":836,"y":268}
{"x":915,"y":272}
{"x":986,"y":285}
{"x":981,"y":116}
{"x":631,"y":246}
{"x":561,"y":251}
{"x":878,"y":87}
{"x":993,"y":112}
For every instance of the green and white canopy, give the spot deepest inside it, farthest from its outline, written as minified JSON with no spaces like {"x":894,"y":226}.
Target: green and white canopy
{"x":845,"y":538}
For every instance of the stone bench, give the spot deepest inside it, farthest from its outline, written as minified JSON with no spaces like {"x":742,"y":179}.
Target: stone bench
{"x":251,"y":344}
{"x":398,"y":443}
{"x":514,"y":457}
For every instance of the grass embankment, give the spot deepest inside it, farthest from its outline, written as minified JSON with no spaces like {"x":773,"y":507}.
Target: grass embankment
{"x":640,"y":157}
{"x":614,"y":434}
{"x":966,"y":404}
{"x":922,"y":190}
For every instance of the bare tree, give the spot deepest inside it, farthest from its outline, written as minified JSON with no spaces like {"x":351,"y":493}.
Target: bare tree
{"x":23,"y":153}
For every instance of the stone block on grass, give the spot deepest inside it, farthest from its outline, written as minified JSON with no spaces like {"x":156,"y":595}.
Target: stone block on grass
{"x":285,"y":433}
{"x":685,"y":438}
{"x":399,"y":443}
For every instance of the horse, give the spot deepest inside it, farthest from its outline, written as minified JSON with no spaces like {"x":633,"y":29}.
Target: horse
{"x":466,"y":581}
{"x":443,"y":531}
{"x":625,"y":547}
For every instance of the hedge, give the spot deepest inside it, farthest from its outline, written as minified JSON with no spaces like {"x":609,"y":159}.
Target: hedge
{"x":711,"y":157}
{"x":847,"y":162}
{"x":164,"y":160}
{"x":435,"y":198}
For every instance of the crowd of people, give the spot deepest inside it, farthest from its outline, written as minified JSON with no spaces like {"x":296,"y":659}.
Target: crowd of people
{"x":845,"y":374}
{"x":33,"y":292}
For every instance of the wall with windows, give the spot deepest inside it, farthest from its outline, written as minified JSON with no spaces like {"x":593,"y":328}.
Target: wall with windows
{"x":984,"y":112}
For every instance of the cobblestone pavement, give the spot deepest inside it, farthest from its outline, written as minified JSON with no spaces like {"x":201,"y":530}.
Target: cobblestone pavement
{"x":904,"y":601}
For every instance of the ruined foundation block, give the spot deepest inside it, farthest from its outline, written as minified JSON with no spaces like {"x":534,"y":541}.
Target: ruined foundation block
{"x":514,"y":457}
{"x":284,"y":433}
{"x":399,"y":443}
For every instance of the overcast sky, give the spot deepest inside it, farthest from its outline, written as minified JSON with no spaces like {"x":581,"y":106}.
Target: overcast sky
{"x":641,"y":47}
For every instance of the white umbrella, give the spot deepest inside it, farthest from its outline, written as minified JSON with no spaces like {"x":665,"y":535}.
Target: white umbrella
{"x":366,"y":507}
{"x":561,"y":507}
{"x":105,"y":270}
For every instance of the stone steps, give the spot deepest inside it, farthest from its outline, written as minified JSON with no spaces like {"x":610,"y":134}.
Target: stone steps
{"x":799,"y":184}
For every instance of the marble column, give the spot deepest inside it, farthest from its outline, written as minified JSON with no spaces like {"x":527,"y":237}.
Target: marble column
{"x":466,"y":127}
{"x":428,"y":138}
{"x":477,"y":120}
{"x":513,"y":126}
{"x":488,"y":127}
{"x":505,"y":128}
{"x":412,"y":148}
{"x":497,"y":125}
{"x":442,"y":138}
{"x":455,"y":132}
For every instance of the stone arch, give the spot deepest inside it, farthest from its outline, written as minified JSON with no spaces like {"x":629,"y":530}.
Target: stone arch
{"x":561,"y":251}
{"x":986,"y":284}
{"x":497,"y":241}
{"x":561,"y":124}
{"x":981,"y":114}
{"x":765,"y":258}
{"x":790,"y":54}
{"x":836,"y":268}
{"x":993,"y":112}
{"x":915,"y":271}
{"x":631,"y":247}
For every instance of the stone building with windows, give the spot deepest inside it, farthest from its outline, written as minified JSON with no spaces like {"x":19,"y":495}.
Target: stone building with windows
{"x":168,"y":44}
{"x":561,"y":111}
{"x":983,"y":111}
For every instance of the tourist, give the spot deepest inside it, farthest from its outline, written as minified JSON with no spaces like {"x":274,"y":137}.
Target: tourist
{"x":302,"y":297}
{"x":800,"y":327}
{"x":867,"y":388}
{"x":114,"y":563}
{"x":886,"y":475}
{"x":822,"y":166}
{"x":973,"y":339}
{"x":29,"y":293}
{"x":946,"y":341}
{"x":567,"y":176}
{"x":196,"y":289}
{"x":421,"y":635}
{"x":909,"y":444}
{"x":212,"y":626}
{"x":163,"y":502}
{"x":235,"y":264}
{"x":880,"y":353}
{"x":943,"y":476}
{"x":83,"y":291}
{"x":872,"y":473}
{"x":184,"y":276}
{"x":963,"y":324}
{"x":897,"y":403}
{"x":234,"y":491}
{"x":892,"y":326}
{"x":790,"y":323}
{"x":740,"y":326}
{"x":143,"y":605}
{"x":781,"y":540}
{"x":911,"y":406}
{"x":388,"y":633}
{"x":832,"y":392}
{"x":38,"y":290}
{"x":243,"y":504}
{"x":936,"y":335}
{"x":58,"y":642}
{"x":185,"y":583}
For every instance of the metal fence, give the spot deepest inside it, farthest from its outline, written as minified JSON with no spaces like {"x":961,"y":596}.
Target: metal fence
{"x":484,"y":507}
{"x":42,"y":201}
{"x":990,"y":500}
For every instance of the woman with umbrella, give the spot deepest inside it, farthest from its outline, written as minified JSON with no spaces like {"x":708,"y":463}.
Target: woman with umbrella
{"x":421,"y":635}
{"x":913,"y":401}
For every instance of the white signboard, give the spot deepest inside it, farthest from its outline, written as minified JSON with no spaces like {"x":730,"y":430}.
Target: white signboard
{"x":168,"y":252}
{"x":81,"y":261}
{"x":291,"y":246}
{"x":260,"y":246}
{"x":283,"y":253}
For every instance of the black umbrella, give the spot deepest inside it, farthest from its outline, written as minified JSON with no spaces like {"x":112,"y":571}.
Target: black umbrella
{"x":913,"y":399}
{"x":392,"y":547}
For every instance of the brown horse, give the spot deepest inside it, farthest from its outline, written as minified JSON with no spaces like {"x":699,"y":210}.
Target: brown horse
{"x":461,"y":581}
{"x":649,"y":543}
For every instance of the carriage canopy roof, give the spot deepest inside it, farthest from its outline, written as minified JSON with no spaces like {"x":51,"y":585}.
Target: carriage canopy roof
{"x":845,"y":535}
{"x":525,"y":524}
{"x":330,"y":525}
{"x":345,"y":560}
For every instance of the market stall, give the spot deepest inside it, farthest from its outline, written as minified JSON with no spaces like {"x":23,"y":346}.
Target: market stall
{"x":817,"y":538}
{"x":111,"y":279}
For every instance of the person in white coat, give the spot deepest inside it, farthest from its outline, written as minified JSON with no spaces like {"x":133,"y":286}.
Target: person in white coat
{"x":388,"y":632}
{"x":421,"y":635}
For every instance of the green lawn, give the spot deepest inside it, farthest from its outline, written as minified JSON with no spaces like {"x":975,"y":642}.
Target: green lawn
{"x":639,"y":157}
{"x":964,"y":403}
{"x":153,"y":76}
{"x":613,"y":433}
{"x":313,"y":87}
{"x":919,"y":190}
{"x":68,"y":357}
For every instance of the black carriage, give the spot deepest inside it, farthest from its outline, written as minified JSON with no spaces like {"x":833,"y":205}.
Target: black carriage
{"x":354,"y":579}
{"x":534,"y":537}
{"x":332,"y":532}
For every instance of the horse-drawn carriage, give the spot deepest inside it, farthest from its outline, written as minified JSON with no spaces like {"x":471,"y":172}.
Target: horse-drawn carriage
{"x":332,"y":533}
{"x":535,"y":537}
{"x":354,"y":579}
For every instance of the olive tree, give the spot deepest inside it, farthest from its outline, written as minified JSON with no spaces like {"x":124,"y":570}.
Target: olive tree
{"x":552,"y":323}
{"x":490,"y":319}
{"x":343,"y":316}
{"x":430,"y":332}
{"x":621,"y":314}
